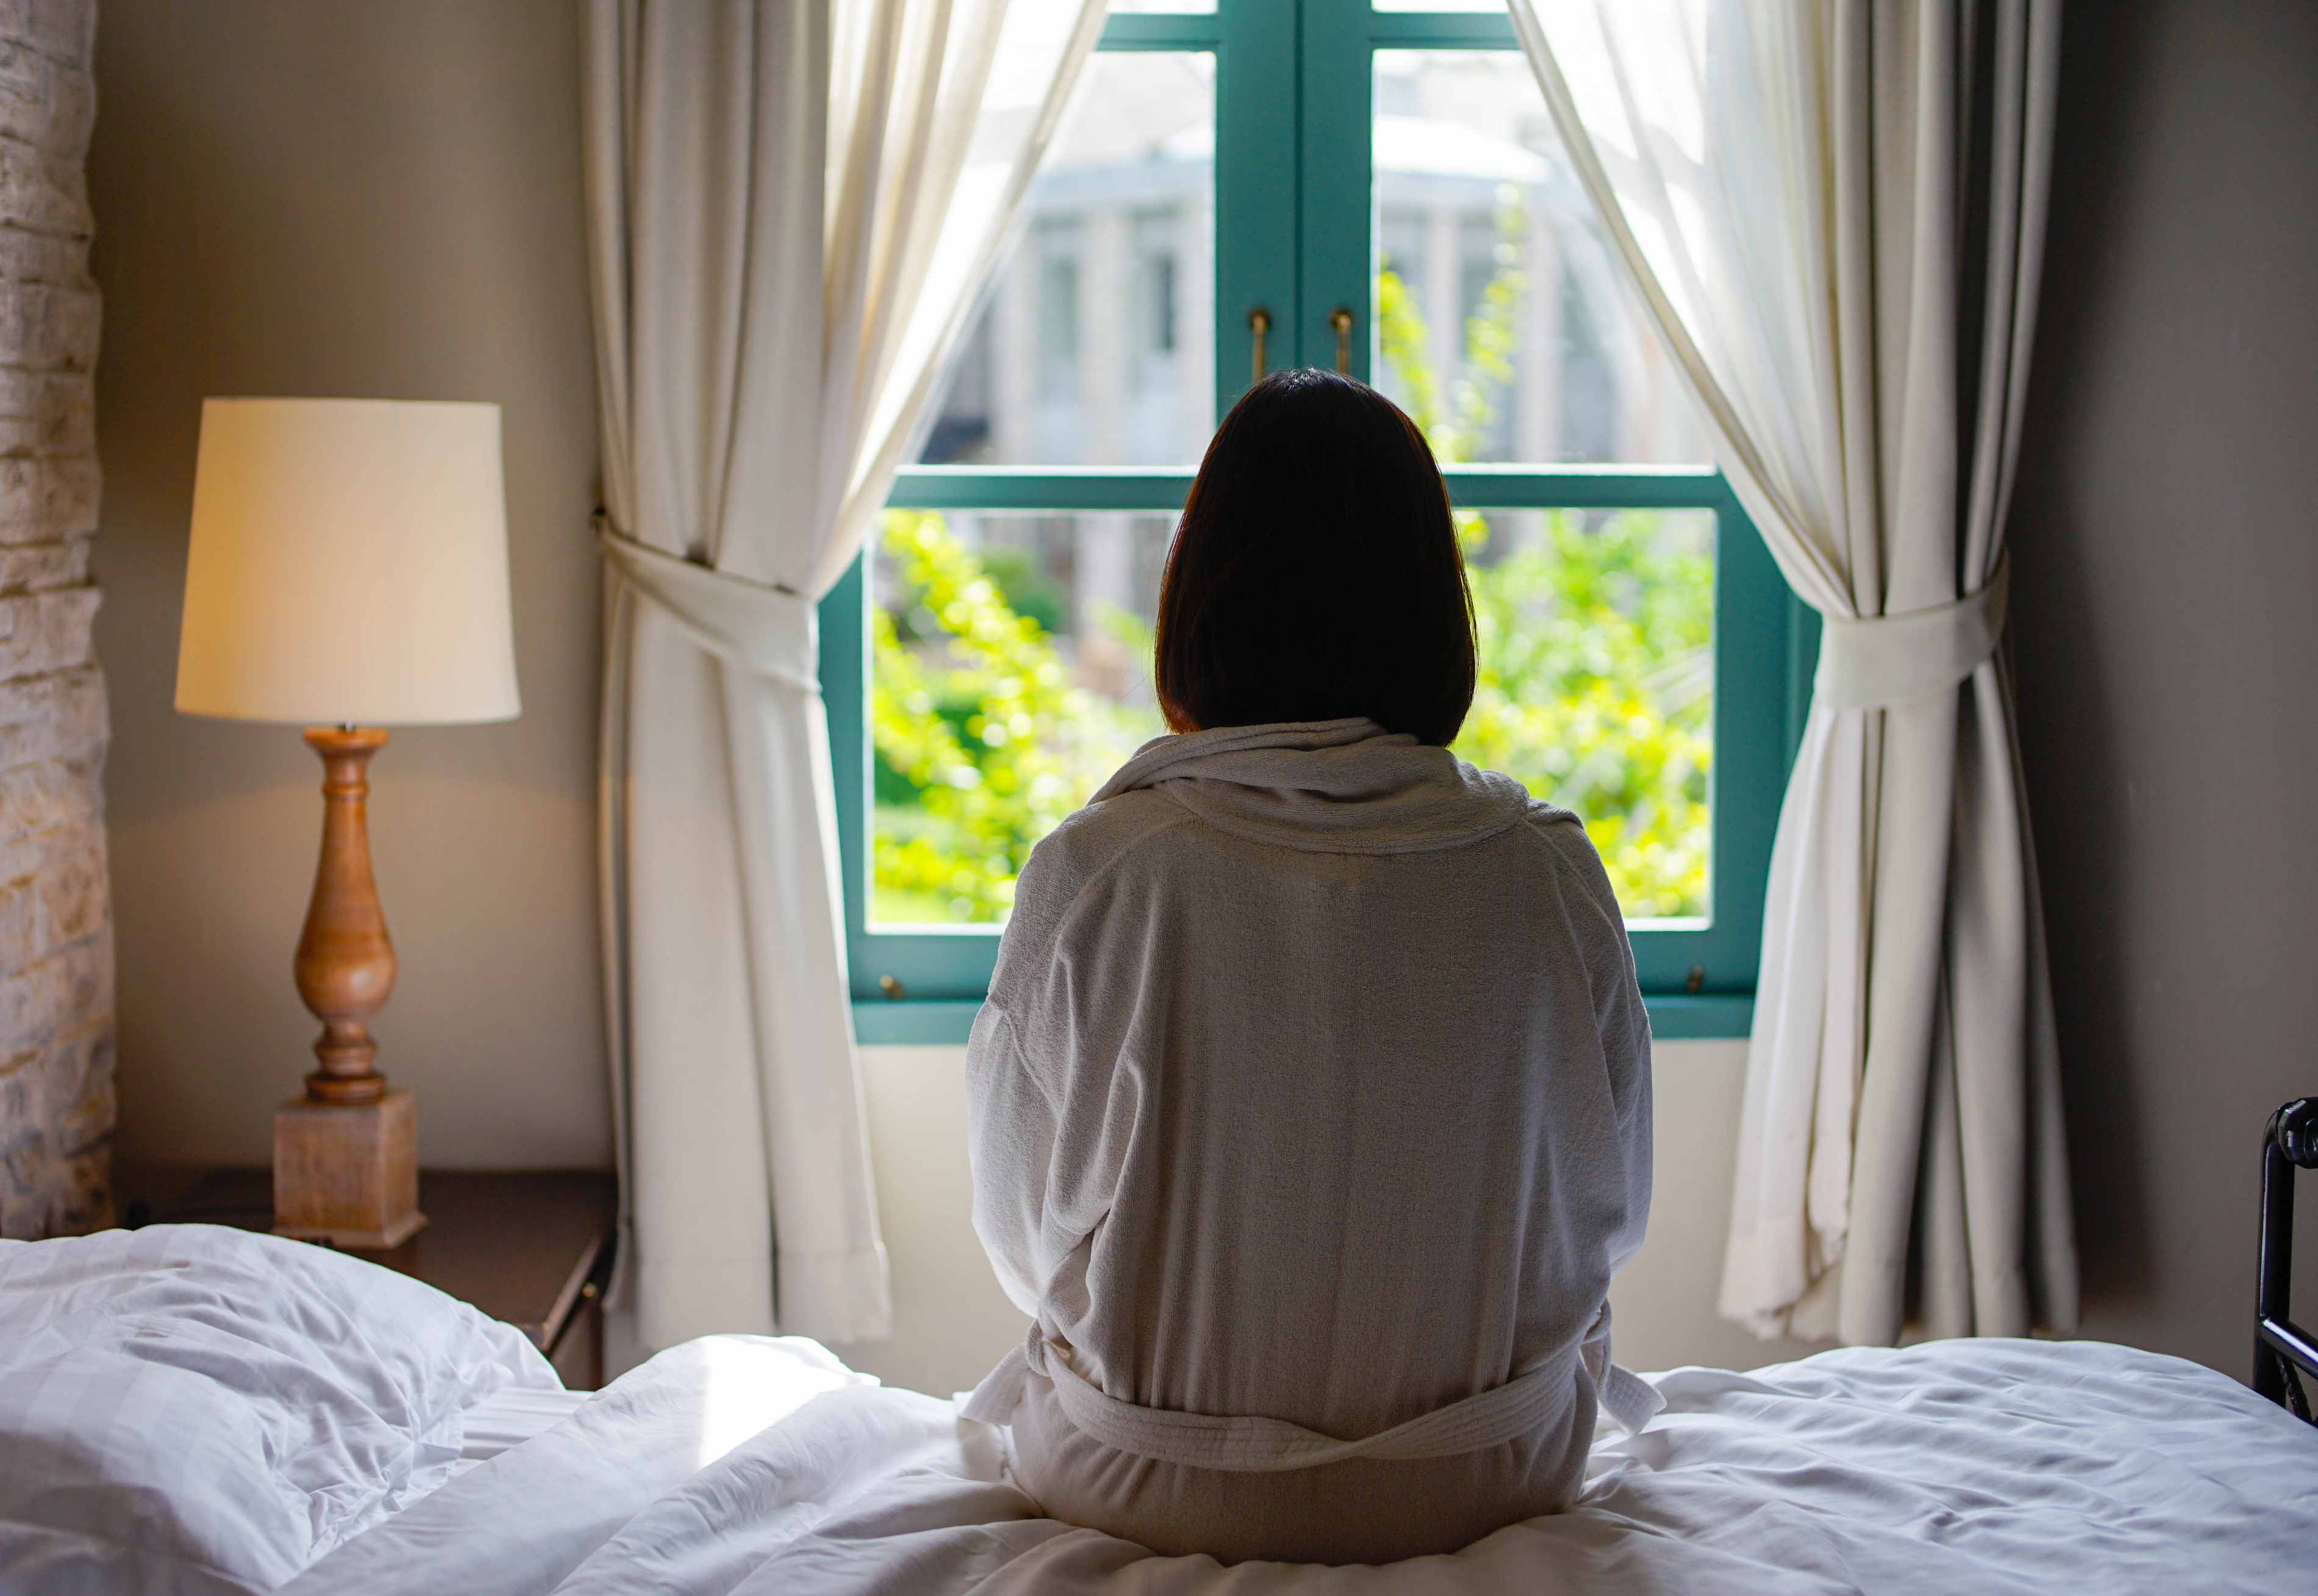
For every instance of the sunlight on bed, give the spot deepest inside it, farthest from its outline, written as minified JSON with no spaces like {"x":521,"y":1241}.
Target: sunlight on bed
{"x":750,"y":1383}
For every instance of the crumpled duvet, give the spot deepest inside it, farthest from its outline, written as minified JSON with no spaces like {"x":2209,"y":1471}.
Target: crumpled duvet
{"x":1967,"y":1466}
{"x":188,"y":1408}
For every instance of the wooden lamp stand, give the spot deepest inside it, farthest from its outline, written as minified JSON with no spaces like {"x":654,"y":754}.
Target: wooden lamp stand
{"x":345,"y":1154}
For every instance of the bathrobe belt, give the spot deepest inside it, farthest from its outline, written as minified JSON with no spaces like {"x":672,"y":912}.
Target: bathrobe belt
{"x":1522,"y":1406}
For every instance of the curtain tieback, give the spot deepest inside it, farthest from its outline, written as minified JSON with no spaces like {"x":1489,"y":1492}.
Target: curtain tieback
{"x":1874,"y":661}
{"x":770,"y":630}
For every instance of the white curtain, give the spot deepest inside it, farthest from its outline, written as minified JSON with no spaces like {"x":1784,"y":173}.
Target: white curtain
{"x":792,"y":205}
{"x":1833,"y":212}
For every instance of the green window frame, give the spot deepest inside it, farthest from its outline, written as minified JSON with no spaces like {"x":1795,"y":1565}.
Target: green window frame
{"x":1293,"y":209}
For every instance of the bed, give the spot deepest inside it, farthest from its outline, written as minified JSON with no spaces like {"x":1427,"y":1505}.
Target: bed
{"x":193,"y":1409}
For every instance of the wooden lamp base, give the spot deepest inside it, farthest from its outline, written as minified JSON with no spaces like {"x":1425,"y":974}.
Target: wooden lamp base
{"x":346,"y":1155}
{"x":347,"y":1173}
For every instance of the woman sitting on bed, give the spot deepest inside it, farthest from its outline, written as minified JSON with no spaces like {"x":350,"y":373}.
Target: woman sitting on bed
{"x":1311,"y":1105}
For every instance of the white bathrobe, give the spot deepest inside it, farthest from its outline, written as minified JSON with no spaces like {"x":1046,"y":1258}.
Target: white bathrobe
{"x":1310,"y":1118}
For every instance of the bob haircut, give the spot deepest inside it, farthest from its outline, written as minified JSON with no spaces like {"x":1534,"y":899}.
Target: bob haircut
{"x":1316,"y":574}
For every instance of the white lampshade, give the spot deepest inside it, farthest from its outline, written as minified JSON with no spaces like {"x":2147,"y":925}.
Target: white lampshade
{"x":348,"y":565}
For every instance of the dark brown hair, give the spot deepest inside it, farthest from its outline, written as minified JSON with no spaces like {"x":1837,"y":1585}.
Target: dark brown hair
{"x":1316,"y":574}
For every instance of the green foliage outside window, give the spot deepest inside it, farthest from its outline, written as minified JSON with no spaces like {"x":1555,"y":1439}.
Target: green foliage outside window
{"x":981,"y":742}
{"x":1596,"y":676}
{"x":1594,"y":685}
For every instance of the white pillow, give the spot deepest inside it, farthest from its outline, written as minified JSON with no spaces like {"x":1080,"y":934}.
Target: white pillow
{"x":193,"y":1409}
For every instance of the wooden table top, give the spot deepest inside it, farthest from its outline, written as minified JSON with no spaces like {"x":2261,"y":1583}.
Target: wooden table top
{"x":519,"y":1244}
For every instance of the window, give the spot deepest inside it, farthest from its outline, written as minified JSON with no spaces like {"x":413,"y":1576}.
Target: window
{"x":986,"y":663}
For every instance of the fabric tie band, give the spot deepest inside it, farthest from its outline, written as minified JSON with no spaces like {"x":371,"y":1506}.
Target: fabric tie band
{"x":769,"y":631}
{"x":1521,"y":1406}
{"x":1875,"y":661}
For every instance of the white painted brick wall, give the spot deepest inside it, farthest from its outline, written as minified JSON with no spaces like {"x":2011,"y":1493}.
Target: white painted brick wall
{"x":56,"y":920}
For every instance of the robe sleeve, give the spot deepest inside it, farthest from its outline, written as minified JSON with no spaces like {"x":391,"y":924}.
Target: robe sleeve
{"x":1011,"y":1127}
{"x":1052,"y":1105}
{"x":1622,"y":1029}
{"x":1623,"y":1036}
{"x":1625,"y":1039}
{"x":1050,"y":1115}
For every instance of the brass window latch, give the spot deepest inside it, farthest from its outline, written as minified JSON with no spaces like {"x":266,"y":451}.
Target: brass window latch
{"x":1259,"y":322}
{"x":1341,"y":319}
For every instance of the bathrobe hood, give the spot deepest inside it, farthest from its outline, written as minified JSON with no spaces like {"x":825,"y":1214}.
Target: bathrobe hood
{"x":1326,"y":786}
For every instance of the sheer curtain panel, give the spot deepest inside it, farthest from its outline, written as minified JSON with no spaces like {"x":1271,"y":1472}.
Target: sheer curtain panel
{"x":1833,"y":212}
{"x":791,"y":205}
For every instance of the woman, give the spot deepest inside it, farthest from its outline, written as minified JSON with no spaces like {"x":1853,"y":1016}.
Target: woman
{"x":1311,"y":1105}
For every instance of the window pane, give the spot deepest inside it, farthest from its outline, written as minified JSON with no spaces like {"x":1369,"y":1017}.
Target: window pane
{"x":1010,"y":674}
{"x":1091,"y":345}
{"x":1480,"y":7}
{"x":1117,"y":6}
{"x":1596,"y":686}
{"x":1504,"y":323}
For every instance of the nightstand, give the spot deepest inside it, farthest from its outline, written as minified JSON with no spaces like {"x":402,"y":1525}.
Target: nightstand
{"x":533,"y":1248}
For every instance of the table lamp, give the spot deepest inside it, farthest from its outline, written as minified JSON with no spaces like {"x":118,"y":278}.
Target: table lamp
{"x":347,"y":571}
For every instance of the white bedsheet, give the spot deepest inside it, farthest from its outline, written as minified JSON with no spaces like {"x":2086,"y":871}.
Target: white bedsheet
{"x":510,"y":1417}
{"x":1998,"y":1467}
{"x":194,"y":1409}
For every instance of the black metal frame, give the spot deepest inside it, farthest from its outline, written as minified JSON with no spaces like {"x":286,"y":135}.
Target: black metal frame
{"x":2280,"y":1346}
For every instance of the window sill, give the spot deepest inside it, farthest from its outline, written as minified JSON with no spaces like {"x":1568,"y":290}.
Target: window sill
{"x":1677,"y":1017}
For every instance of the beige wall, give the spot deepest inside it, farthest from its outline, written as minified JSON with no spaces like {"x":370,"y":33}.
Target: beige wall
{"x":2165,"y":573}
{"x":350,"y":198}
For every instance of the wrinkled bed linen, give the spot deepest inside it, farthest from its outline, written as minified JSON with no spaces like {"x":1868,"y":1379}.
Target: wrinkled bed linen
{"x":1988,"y":1466}
{"x":197,"y":1409}
{"x":510,"y":1417}
{"x":646,"y":1448}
